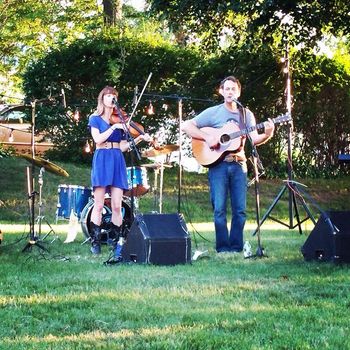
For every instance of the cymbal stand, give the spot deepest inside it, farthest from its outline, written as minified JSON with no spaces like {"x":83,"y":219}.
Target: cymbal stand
{"x":155,"y":190}
{"x":161,"y":186}
{"x":33,"y":237}
{"x":159,"y":168}
{"x":40,"y":217}
{"x":179,"y":175}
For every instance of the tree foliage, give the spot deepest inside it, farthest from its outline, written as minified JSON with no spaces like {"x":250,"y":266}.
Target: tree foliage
{"x":321,"y":112}
{"x":88,"y":65}
{"x":31,"y":29}
{"x":303,"y":21}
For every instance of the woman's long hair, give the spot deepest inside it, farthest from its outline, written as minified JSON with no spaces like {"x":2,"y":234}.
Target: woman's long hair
{"x":105,"y":91}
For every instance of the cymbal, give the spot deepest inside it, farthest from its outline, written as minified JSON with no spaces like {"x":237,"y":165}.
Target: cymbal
{"x":41,"y":162}
{"x":160,"y":151}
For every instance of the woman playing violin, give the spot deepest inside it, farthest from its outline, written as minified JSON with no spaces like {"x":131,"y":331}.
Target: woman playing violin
{"x":108,"y":165}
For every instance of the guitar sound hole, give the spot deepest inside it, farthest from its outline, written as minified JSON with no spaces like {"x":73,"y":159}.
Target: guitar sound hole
{"x":224,"y":138}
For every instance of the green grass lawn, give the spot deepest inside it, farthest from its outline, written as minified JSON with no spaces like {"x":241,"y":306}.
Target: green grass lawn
{"x":67,"y":299}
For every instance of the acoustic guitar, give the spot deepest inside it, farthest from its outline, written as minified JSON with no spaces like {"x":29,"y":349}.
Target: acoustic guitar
{"x":230,"y":136}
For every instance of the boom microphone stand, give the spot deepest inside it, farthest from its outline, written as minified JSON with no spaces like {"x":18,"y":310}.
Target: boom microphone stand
{"x":290,"y":185}
{"x":179,"y":100}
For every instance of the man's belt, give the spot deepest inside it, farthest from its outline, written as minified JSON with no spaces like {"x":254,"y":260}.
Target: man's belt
{"x":231,"y":157}
{"x":107,"y":145}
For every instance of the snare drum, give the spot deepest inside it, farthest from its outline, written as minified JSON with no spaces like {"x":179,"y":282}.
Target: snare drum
{"x":138,"y":182}
{"x":72,"y":197}
{"x":106,"y":237}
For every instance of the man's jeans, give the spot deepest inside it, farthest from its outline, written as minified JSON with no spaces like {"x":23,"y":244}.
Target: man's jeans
{"x":228,"y":178}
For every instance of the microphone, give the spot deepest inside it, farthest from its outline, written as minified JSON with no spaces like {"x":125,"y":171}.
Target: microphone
{"x":236,"y":101}
{"x":63,"y":98}
{"x":115,"y":101}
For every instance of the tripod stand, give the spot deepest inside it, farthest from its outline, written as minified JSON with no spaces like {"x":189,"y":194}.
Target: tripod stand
{"x":290,"y":185}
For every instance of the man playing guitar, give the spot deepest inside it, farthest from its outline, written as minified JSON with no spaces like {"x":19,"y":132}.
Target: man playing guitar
{"x":228,"y":174}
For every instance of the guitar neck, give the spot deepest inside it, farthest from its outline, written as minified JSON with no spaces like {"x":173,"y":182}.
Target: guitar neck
{"x":247,"y":130}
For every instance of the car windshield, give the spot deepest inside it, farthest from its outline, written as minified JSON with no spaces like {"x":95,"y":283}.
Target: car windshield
{"x":10,"y":115}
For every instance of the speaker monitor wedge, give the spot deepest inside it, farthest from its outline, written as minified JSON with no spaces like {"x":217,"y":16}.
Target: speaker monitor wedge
{"x":325,"y":244}
{"x":159,"y":239}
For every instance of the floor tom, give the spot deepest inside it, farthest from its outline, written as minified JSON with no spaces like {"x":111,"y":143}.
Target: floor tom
{"x":137,"y":181}
{"x":72,"y":198}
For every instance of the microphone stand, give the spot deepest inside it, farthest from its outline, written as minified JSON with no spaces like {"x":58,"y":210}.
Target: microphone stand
{"x":256,"y":165}
{"x":131,"y":140}
{"x":121,"y":239}
{"x":129,"y":137}
{"x":134,"y":149}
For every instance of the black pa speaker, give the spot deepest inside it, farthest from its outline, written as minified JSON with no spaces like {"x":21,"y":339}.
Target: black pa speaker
{"x":327,"y":244}
{"x":160,"y":239}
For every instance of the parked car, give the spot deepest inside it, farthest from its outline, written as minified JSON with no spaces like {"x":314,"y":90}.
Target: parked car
{"x":16,"y":130}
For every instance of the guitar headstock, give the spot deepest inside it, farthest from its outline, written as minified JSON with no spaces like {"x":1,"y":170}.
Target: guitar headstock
{"x":282,"y":119}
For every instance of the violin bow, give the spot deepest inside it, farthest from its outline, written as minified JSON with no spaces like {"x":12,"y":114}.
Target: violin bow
{"x":139,"y":98}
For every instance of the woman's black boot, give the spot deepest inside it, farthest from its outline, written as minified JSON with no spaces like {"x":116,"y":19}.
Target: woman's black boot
{"x":95,"y":238}
{"x":118,"y":242}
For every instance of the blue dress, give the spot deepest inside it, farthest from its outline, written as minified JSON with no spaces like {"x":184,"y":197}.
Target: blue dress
{"x":108,"y":165}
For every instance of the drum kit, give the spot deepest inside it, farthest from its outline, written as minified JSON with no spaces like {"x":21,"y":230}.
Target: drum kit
{"x":79,"y":200}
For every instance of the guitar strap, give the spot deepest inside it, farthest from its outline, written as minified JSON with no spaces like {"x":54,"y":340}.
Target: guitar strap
{"x":242,"y":116}
{"x":242,"y":123}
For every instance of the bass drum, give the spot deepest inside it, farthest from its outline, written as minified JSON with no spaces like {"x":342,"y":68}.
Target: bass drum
{"x":106,"y":236}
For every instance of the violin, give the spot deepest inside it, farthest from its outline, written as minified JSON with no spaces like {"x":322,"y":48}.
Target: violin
{"x":135,"y":129}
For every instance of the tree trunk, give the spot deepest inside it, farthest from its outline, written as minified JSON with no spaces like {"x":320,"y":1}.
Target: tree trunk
{"x":112,"y":11}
